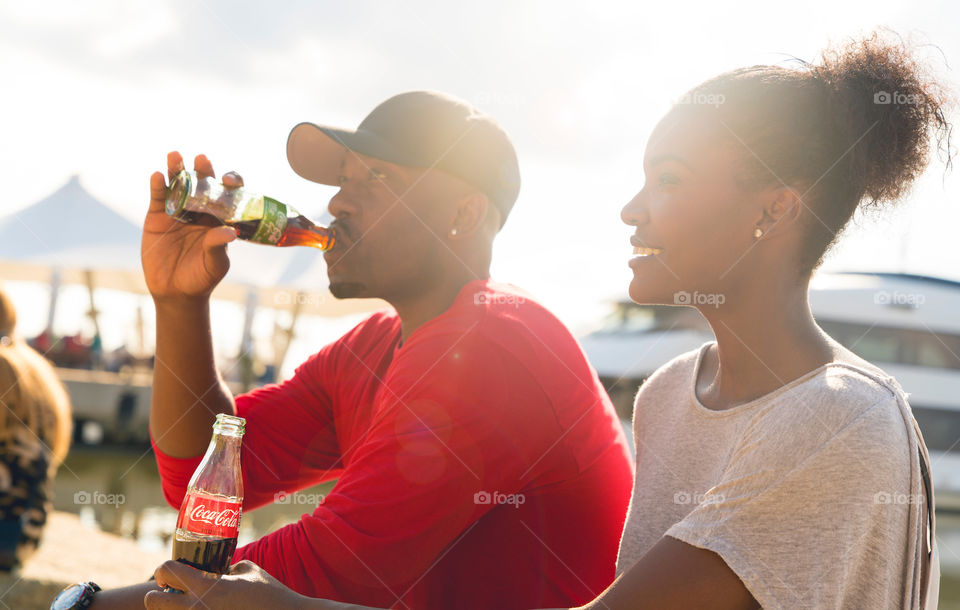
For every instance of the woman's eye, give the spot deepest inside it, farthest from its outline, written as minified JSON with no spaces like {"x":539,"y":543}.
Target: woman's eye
{"x":669,"y":180}
{"x":341,"y":179}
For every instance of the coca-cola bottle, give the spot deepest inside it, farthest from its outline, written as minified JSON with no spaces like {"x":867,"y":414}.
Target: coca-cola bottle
{"x":257,"y":218}
{"x":206,"y":535}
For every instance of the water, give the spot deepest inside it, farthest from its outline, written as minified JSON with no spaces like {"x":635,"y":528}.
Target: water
{"x":119,"y":490}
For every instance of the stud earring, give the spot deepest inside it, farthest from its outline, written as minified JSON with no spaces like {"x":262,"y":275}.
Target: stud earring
{"x":757,"y":233}
{"x":453,"y":232}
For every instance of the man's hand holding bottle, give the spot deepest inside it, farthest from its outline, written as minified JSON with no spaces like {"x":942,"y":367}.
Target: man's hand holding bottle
{"x":183,"y":261}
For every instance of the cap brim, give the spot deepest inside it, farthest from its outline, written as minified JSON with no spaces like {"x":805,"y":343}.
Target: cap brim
{"x":315,"y":152}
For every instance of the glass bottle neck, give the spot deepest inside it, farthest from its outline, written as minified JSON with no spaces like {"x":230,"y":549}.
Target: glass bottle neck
{"x":219,"y":472}
{"x":224,"y":449}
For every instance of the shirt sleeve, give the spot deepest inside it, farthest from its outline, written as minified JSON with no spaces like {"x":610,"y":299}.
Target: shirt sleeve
{"x":289,"y":443}
{"x":800,"y":510}
{"x":408,"y":491}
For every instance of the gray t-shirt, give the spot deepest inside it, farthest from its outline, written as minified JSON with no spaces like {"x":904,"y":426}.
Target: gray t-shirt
{"x":811,"y":494}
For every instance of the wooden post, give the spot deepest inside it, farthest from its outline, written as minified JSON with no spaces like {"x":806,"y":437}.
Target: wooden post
{"x":289,"y":333}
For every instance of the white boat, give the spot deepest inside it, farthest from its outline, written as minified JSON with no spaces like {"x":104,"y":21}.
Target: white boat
{"x":908,"y":325}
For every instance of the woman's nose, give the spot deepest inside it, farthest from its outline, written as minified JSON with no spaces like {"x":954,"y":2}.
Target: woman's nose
{"x":634,"y":213}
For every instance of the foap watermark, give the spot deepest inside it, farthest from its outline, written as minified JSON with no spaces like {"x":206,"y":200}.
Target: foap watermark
{"x":683,"y":297}
{"x":898,"y":98}
{"x":482,"y":298}
{"x":486,"y":99}
{"x":495,"y":497}
{"x":282,"y":497}
{"x":95,"y":498}
{"x":896,"y":298}
{"x":700,"y":98}
{"x":886,"y":497}
{"x":686,"y":497}
{"x":290,"y":297}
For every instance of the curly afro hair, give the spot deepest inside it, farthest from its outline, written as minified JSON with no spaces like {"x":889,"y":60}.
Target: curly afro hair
{"x":853,"y":129}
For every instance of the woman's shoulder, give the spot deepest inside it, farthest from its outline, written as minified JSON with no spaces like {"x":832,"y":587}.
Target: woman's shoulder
{"x":682,"y":365}
{"x":676,"y":374}
{"x":856,"y":386}
{"x":844,"y":404}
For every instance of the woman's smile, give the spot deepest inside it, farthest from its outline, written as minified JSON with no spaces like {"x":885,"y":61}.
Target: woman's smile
{"x":642,"y":250}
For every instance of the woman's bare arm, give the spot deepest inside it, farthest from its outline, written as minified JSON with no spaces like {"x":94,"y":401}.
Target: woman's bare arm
{"x":674,"y":574}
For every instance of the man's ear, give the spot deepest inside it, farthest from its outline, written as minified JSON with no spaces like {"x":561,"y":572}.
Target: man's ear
{"x":471,"y":210}
{"x":780,"y":207}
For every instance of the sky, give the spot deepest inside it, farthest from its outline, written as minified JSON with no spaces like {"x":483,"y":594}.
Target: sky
{"x":104,"y":88}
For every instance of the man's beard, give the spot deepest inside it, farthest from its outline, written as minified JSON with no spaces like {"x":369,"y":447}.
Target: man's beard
{"x":346,"y":290}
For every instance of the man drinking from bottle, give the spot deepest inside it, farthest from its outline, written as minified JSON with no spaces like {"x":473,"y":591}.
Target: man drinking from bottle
{"x":478,"y":460}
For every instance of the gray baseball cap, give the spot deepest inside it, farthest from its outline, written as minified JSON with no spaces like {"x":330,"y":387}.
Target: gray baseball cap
{"x":423,"y":129}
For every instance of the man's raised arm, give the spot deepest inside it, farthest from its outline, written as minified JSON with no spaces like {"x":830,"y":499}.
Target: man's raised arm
{"x":182,"y":264}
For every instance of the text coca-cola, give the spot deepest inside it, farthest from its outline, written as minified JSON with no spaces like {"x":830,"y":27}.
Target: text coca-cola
{"x":209,"y":519}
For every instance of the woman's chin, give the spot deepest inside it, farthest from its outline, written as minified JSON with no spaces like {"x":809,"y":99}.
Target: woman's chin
{"x":642,"y":293}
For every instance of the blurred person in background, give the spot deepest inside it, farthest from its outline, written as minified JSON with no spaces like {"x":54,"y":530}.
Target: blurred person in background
{"x":35,"y":431}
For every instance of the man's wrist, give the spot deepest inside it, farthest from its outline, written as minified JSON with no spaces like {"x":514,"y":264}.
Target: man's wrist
{"x":181,"y":305}
{"x":76,"y":596}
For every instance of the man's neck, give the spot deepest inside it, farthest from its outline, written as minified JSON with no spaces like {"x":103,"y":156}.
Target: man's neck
{"x":429,"y":303}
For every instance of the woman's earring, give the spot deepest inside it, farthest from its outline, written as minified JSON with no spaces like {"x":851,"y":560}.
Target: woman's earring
{"x":757,"y":233}
{"x":453,"y":232}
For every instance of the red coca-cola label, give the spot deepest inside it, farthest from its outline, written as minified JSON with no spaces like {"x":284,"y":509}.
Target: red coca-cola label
{"x":210,"y":516}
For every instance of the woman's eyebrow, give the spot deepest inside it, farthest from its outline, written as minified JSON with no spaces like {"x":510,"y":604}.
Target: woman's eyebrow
{"x":657,"y":160}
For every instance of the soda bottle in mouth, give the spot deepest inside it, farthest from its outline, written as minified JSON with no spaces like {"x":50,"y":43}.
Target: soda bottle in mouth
{"x":257,"y":218}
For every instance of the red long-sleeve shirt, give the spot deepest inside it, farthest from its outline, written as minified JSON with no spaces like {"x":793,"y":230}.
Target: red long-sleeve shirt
{"x":479,"y":465}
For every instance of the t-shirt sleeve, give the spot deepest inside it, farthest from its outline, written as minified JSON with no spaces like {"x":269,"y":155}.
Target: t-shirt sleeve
{"x":289,"y":442}
{"x":441,"y":433}
{"x":799,"y":507}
